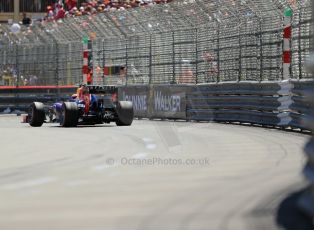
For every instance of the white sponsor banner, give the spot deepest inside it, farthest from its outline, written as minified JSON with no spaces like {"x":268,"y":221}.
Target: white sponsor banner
{"x":167,"y":102}
{"x":139,"y":101}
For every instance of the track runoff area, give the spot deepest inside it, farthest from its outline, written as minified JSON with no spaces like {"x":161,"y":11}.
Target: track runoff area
{"x":151,"y":175}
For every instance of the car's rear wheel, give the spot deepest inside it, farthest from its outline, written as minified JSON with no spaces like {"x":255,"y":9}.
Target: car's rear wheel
{"x":125,"y":113}
{"x":36,"y":114}
{"x":69,"y":117}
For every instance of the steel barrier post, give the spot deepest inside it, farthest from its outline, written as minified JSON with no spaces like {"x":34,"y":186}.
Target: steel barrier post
{"x":288,"y":13}
{"x":150,"y":60}
{"x":17,"y":79}
{"x":261,"y":50}
{"x":17,"y":63}
{"x":103,"y":61}
{"x":196,"y":56}
{"x":85,"y":69}
{"x":240,"y":55}
{"x":218,"y":55}
{"x":57,"y":69}
{"x":312,"y":29}
{"x":173,"y":59}
{"x":126,"y":59}
{"x":299,"y":47}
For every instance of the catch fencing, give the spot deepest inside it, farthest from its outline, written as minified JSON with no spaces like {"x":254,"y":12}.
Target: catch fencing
{"x":183,"y":42}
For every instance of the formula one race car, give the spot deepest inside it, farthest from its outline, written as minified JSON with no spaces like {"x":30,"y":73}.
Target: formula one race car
{"x":84,"y":109}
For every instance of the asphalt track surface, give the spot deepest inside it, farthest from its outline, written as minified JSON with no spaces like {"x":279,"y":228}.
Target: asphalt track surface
{"x":153,"y":175}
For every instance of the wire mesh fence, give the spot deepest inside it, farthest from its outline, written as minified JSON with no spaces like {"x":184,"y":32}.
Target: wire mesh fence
{"x":183,"y":42}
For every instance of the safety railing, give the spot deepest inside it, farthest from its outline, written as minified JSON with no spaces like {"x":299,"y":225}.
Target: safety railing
{"x":19,"y":98}
{"x":266,"y":103}
{"x":247,"y":102}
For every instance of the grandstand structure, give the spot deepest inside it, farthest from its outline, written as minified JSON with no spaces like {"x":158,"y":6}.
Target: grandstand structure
{"x":188,"y":41}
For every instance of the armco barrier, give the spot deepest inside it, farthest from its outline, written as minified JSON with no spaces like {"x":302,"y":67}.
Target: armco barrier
{"x":19,"y":98}
{"x":250,"y":102}
{"x":302,"y":92}
{"x":281,"y":104}
{"x":139,"y":95}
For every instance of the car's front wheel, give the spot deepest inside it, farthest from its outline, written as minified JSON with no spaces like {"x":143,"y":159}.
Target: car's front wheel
{"x":37,"y":114}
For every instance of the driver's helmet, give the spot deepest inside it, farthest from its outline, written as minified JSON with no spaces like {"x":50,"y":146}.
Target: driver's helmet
{"x":85,"y":90}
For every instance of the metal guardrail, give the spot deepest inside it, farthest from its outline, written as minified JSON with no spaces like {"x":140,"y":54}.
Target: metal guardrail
{"x":12,"y":99}
{"x":301,"y":107}
{"x":256,"y":103}
{"x":281,"y":104}
{"x":266,"y":103}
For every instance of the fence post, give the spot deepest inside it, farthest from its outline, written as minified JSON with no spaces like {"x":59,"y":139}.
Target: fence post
{"x":299,"y":47}
{"x":218,"y":51}
{"x":16,"y":96}
{"x":126,"y":60}
{"x":103,"y":61}
{"x":17,"y":64}
{"x":196,"y":56}
{"x":240,"y":55}
{"x":150,"y":60}
{"x":57,"y":69}
{"x":173,"y":60}
{"x":288,"y":13}
{"x":261,"y":51}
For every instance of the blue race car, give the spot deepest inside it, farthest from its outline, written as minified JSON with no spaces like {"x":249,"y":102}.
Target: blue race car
{"x":84,"y":109}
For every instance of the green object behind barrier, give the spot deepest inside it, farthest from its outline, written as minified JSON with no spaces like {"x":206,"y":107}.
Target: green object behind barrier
{"x":85,"y":39}
{"x":288,"y":12}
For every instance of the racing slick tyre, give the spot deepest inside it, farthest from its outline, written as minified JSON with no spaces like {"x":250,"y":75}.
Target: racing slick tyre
{"x":69,"y":117}
{"x":37,"y":114}
{"x":125,"y":113}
